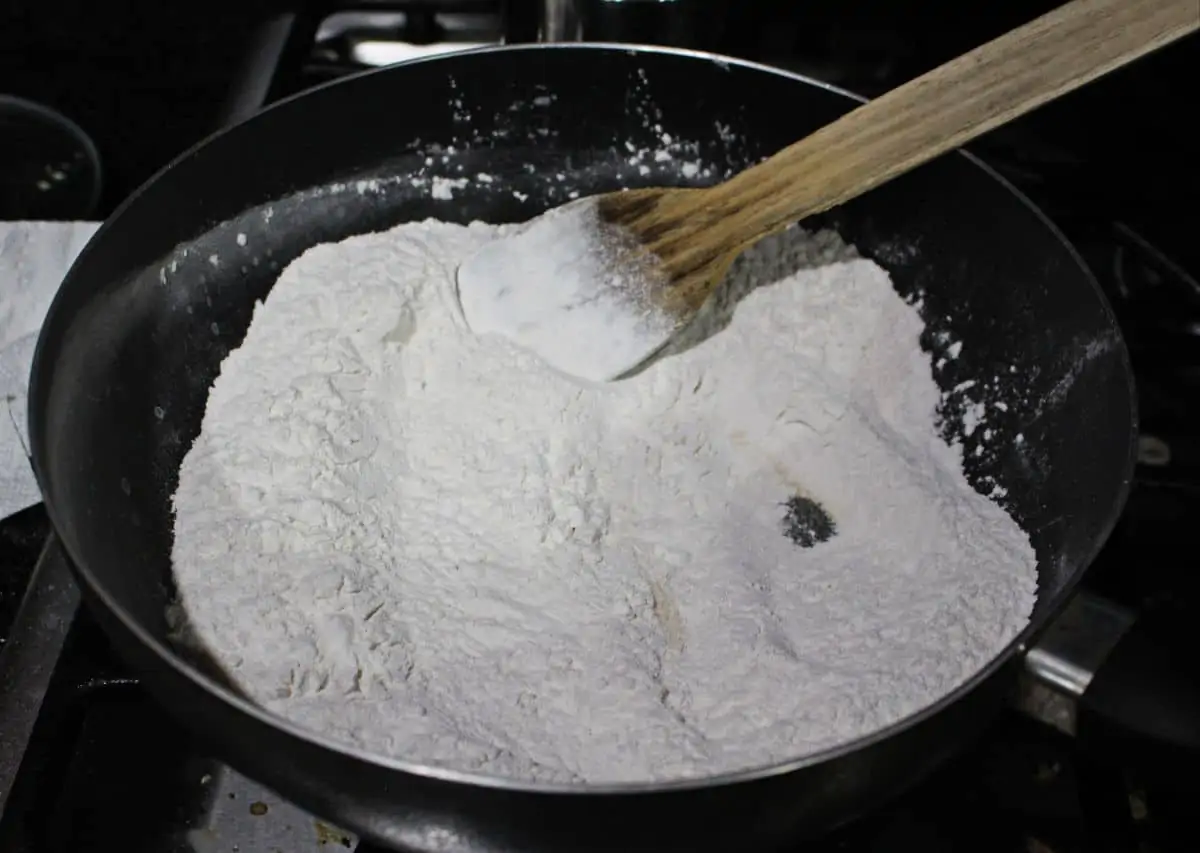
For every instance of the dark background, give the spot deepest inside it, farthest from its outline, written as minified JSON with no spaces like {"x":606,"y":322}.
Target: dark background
{"x":147,"y":78}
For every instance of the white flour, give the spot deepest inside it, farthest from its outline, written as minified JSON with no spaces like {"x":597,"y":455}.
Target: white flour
{"x":564,"y":287}
{"x":429,"y":544}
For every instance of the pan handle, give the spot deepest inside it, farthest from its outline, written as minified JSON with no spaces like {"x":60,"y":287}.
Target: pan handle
{"x":1100,"y":673}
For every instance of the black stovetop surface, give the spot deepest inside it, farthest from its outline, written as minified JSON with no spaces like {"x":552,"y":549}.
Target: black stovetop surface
{"x":107,"y":770}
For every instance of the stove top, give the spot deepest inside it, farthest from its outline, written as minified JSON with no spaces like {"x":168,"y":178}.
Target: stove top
{"x":95,"y":765}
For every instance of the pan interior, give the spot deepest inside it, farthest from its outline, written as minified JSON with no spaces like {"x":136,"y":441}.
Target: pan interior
{"x":167,"y":290}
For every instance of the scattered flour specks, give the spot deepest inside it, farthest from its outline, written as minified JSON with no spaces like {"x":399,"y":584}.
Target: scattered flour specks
{"x":443,"y":188}
{"x":429,"y":545}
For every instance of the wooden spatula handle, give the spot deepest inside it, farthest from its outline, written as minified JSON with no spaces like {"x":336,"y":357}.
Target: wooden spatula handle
{"x":949,"y":106}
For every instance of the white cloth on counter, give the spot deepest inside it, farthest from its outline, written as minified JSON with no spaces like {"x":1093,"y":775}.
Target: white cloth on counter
{"x":34,"y":257}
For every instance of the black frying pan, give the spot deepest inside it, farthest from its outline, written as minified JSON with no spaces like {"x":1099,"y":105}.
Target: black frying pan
{"x":120,"y":344}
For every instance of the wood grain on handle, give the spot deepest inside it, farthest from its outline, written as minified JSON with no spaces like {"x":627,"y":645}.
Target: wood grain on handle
{"x":946,"y":108}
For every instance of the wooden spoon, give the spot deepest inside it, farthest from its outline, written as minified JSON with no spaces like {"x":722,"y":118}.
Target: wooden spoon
{"x":598,"y":286}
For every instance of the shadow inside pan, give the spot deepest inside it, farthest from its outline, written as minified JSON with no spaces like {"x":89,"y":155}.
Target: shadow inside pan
{"x":167,"y":290}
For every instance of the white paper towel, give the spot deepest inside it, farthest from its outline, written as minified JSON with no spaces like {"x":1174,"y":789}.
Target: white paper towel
{"x":34,"y":257}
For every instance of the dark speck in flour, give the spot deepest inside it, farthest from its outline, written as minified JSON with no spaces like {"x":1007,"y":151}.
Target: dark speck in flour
{"x":806,"y":522}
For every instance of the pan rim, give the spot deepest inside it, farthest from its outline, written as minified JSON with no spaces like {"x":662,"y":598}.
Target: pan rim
{"x":261,"y":715}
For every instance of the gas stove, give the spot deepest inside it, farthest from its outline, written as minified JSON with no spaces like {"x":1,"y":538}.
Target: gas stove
{"x":88,"y":761}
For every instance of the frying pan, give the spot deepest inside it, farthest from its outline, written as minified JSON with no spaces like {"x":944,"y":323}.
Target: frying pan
{"x":144,"y":319}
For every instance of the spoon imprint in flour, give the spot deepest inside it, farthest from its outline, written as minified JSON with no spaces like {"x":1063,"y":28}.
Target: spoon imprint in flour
{"x":598,"y":286}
